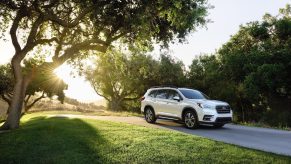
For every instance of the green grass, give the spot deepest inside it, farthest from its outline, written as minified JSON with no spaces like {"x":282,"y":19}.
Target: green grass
{"x":99,"y":113}
{"x":262,"y":125}
{"x":63,"y":140}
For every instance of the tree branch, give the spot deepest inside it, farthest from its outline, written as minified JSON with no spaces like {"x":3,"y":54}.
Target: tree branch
{"x":60,"y":43}
{"x":130,"y":99}
{"x":96,"y":90}
{"x":13,"y":30}
{"x":117,"y":36}
{"x":34,"y":29}
{"x":10,"y":4}
{"x":26,"y":100}
{"x":6,"y":99}
{"x":31,"y":42}
{"x":45,"y":41}
{"x":53,"y":2}
{"x":9,"y":95}
{"x":76,"y":48}
{"x":52,"y":17}
{"x":27,"y":107}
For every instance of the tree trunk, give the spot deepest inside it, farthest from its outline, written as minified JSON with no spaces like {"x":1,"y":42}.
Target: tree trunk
{"x":115,"y":104}
{"x":242,"y":109}
{"x":13,"y":119}
{"x":20,"y":86}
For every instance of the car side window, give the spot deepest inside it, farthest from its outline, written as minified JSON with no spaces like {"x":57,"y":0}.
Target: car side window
{"x":161,"y":94}
{"x":172,"y":94}
{"x":153,"y":93}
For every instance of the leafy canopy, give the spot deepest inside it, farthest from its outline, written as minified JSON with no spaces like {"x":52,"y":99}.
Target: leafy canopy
{"x":73,"y":26}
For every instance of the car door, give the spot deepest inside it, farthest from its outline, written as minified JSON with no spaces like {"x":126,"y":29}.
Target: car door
{"x":161,"y":102}
{"x":173,"y":107}
{"x":151,"y":99}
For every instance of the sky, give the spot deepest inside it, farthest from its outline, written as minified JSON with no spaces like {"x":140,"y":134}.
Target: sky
{"x":226,"y":17}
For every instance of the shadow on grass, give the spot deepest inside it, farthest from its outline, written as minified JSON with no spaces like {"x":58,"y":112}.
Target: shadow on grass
{"x":177,"y":124}
{"x":52,"y":140}
{"x":203,"y":130}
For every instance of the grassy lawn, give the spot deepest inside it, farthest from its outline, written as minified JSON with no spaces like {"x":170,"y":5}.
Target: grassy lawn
{"x":63,"y":140}
{"x":262,"y":125}
{"x":98,"y":113}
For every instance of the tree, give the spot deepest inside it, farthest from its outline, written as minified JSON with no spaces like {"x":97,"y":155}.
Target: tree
{"x":6,"y":83}
{"x":170,"y":71}
{"x":121,"y":78}
{"x":71,"y":28}
{"x":47,"y":85}
{"x":257,"y":60}
{"x":205,"y":74}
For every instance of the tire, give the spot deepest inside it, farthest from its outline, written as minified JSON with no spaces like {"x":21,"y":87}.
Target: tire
{"x":190,"y":120}
{"x":149,"y":115}
{"x":218,"y":125}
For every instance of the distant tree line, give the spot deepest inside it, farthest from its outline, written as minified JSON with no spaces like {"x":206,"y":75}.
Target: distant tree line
{"x":252,"y":71}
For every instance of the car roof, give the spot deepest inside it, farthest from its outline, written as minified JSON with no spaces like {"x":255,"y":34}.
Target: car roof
{"x":166,"y":87}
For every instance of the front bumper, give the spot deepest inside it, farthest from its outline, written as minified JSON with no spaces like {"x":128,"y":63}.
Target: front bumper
{"x":223,"y":120}
{"x":218,"y":120}
{"x":212,"y":117}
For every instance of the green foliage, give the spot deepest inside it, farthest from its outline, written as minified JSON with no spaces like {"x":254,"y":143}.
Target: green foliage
{"x":170,"y":71}
{"x":122,"y":77}
{"x":68,"y":29}
{"x":6,"y":79}
{"x":134,"y":21}
{"x":45,"y":80}
{"x":251,"y":71}
{"x":93,"y":141}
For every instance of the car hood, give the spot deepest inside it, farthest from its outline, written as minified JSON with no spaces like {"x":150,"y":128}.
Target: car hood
{"x":211,"y":103}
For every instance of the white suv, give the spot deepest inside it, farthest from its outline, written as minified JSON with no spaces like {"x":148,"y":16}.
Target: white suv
{"x":191,"y":106}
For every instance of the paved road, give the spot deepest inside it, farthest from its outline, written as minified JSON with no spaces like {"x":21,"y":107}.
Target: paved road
{"x":269,"y":140}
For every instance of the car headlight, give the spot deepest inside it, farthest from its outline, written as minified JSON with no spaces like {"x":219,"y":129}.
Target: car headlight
{"x":205,"y":106}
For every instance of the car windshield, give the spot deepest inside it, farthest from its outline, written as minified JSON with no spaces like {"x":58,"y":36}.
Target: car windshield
{"x":193,"y":94}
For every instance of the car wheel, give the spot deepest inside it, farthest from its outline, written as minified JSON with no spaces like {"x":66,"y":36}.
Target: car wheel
{"x":218,"y":125}
{"x":190,"y":120}
{"x":149,"y":115}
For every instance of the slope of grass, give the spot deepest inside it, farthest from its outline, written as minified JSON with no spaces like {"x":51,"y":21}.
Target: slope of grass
{"x":63,"y":140}
{"x":98,"y":113}
{"x":263,"y":125}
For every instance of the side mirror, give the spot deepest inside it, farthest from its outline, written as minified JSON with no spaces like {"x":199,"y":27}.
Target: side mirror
{"x":177,"y":98}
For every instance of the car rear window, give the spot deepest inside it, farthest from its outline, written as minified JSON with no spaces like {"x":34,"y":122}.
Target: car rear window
{"x":161,"y":94}
{"x":152,"y":93}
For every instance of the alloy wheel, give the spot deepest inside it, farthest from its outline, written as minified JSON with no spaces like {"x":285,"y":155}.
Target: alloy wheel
{"x":190,"y":120}
{"x":149,"y":115}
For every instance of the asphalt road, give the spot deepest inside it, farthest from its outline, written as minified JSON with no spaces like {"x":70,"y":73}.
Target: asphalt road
{"x":265,"y":139}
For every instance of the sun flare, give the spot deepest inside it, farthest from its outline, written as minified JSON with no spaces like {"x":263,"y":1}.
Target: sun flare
{"x":64,"y":72}
{"x":78,"y":87}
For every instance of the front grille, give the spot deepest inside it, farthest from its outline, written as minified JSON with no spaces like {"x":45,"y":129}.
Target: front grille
{"x":221,"y":109}
{"x":223,"y":119}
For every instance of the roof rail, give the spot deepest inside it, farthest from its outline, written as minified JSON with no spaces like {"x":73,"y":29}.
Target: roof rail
{"x":164,"y":86}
